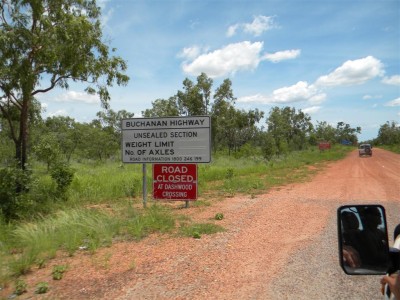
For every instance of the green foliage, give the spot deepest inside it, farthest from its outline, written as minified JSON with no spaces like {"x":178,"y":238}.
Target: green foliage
{"x":63,"y":175}
{"x":196,"y":235}
{"x":269,"y":147}
{"x":105,"y":182}
{"x":58,"y":272}
{"x":389,"y":134}
{"x":196,"y":230}
{"x":393,"y":148}
{"x":248,"y":151}
{"x":162,"y":108}
{"x":14,"y":185}
{"x":20,"y":287}
{"x":219,"y":216}
{"x":85,"y":229}
{"x":345,"y":132}
{"x":229,"y":173}
{"x":40,"y":44}
{"x":289,"y":128}
{"x":155,"y":219}
{"x":47,"y":150}
{"x":42,"y":288}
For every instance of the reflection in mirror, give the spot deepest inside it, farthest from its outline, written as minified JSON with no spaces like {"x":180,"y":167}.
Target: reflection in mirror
{"x":363,"y":241}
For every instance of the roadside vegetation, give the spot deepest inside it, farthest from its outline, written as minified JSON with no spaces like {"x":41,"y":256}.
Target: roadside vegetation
{"x":110,"y":208}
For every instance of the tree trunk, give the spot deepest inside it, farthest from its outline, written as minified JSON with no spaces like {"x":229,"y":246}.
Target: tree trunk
{"x":22,"y":156}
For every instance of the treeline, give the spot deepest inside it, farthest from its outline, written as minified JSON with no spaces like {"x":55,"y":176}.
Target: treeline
{"x":389,"y":134}
{"x":234,"y":131}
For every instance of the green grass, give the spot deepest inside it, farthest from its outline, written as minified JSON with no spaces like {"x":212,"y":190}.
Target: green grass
{"x":111,"y":181}
{"x":392,"y":148}
{"x":84,"y":229}
{"x":196,"y":230}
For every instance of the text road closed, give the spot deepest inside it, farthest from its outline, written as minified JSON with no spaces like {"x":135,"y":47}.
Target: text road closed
{"x":175,"y":181}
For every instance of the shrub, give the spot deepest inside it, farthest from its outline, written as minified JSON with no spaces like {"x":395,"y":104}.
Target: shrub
{"x":14,"y":183}
{"x":20,"y":287}
{"x":62,"y":174}
{"x":58,"y":271}
{"x":42,"y":288}
{"x":219,"y":216}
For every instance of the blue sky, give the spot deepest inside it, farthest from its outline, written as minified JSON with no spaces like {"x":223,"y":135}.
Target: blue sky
{"x":338,"y":60}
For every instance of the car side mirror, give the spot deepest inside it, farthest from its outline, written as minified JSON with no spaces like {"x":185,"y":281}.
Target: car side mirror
{"x":363,"y":240}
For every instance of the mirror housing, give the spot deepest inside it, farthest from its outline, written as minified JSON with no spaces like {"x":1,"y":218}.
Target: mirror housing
{"x":363,"y":240}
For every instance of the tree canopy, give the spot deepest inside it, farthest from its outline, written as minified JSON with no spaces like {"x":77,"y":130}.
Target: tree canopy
{"x":45,"y":44}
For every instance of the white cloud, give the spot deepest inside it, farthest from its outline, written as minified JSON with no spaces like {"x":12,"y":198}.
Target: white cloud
{"x":259,"y":25}
{"x":72,"y":96}
{"x":300,"y":92}
{"x":60,"y":112}
{"x":353,"y":72}
{"x":255,"y":28}
{"x":190,"y":52}
{"x":257,"y":98}
{"x":393,"y":80}
{"x":282,"y":55}
{"x":232,"y":30}
{"x":311,"y":110}
{"x":368,"y":97}
{"x":395,"y":102}
{"x":228,"y":60}
{"x":317,"y":98}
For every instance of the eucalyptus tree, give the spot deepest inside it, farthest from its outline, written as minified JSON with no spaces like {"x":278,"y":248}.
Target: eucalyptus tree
{"x":195,"y":98}
{"x":223,"y":113}
{"x":247,"y":130}
{"x":389,"y":133}
{"x":163,"y":108}
{"x":45,"y":44}
{"x":344,"y":132}
{"x":204,"y":84}
{"x":325,"y":132}
{"x":289,"y":129}
{"x":63,"y":129}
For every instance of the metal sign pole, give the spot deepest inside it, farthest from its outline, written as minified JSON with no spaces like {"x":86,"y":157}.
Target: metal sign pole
{"x":144,"y":185}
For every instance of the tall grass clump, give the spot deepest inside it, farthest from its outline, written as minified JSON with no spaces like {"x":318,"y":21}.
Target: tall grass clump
{"x":155,"y":219}
{"x":67,"y":230}
{"x":101,"y":183}
{"x":84,"y":229}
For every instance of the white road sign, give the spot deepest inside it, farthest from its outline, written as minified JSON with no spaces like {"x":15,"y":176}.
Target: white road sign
{"x":166,"y":140}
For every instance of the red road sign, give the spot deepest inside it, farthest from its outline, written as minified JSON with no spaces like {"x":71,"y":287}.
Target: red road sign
{"x":175,"y":181}
{"x":324,"y":146}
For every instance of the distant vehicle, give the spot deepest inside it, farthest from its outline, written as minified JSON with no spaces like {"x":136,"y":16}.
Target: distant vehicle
{"x":365,"y":149}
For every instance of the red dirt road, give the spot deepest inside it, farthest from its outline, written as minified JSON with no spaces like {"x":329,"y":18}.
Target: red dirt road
{"x":279,"y":245}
